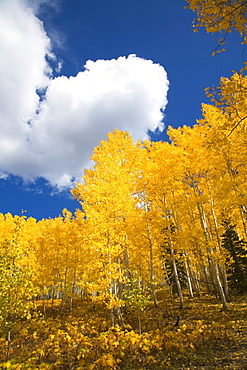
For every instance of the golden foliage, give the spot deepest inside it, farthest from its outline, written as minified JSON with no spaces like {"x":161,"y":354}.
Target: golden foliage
{"x":220,"y":16}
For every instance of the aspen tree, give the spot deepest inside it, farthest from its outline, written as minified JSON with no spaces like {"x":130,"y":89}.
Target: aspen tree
{"x":107,"y":200}
{"x":227,"y":137}
{"x":162,"y":184}
{"x":196,"y":173}
{"x":17,"y":266}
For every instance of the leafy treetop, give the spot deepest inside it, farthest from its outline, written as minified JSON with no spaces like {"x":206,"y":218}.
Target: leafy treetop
{"x":220,"y":16}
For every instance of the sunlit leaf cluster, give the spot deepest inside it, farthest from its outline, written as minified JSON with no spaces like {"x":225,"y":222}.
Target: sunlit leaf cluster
{"x":220,"y":16}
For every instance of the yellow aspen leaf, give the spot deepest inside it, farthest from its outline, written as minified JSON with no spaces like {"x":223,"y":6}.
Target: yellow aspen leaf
{"x":7,"y":365}
{"x":133,"y":340}
{"x":35,"y":336}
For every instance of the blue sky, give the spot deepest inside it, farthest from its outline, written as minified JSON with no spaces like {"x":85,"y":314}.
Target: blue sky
{"x":73,"y":70}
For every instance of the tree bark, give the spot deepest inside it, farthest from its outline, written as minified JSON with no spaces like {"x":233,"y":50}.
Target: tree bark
{"x":180,"y":294}
{"x":188,"y":274}
{"x":151,"y":264}
{"x":215,"y":271}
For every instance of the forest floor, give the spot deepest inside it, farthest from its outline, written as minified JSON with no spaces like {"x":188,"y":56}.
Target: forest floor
{"x":229,"y":349}
{"x":206,"y":338}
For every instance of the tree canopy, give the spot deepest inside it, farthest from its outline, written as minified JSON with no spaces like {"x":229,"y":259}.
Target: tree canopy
{"x":220,"y":16}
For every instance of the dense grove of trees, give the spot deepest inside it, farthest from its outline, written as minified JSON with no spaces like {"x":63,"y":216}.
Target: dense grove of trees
{"x":154,"y":215}
{"x":156,"y":219}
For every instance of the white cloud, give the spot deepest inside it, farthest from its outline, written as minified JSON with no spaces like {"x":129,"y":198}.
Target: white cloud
{"x":23,"y":69}
{"x":35,"y":5}
{"x":54,"y":139}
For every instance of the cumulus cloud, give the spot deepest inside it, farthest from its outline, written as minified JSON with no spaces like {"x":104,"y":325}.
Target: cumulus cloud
{"x":54,"y":137}
{"x":24,"y":70}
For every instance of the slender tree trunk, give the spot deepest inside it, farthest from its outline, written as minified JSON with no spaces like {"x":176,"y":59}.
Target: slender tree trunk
{"x":118,"y":309}
{"x":188,"y":274}
{"x":8,"y":345}
{"x":126,"y":265}
{"x":151,"y":264}
{"x":139,"y":323}
{"x":223,"y":275}
{"x":215,"y":271}
{"x":168,"y":282}
{"x":53,"y":297}
{"x":222,"y":268}
{"x":243,"y":213}
{"x":195,"y":279}
{"x":64,"y":294}
{"x":72,"y":290}
{"x":175,"y":271}
{"x":219,"y":285}
{"x":112,"y":316}
{"x":203,"y":271}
